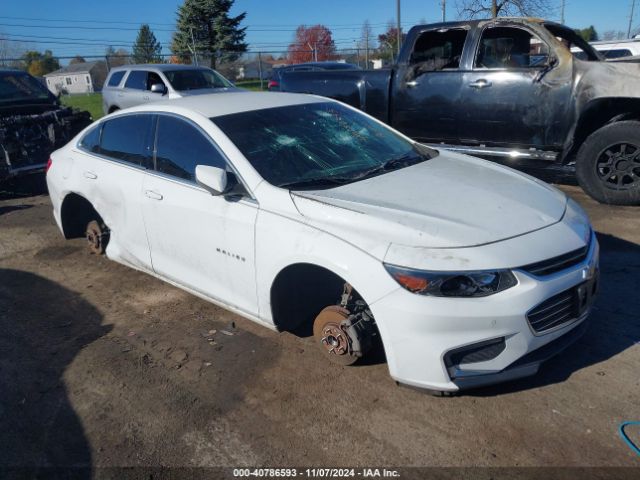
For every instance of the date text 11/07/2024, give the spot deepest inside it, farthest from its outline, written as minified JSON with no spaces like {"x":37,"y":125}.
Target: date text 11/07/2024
{"x":316,"y":472}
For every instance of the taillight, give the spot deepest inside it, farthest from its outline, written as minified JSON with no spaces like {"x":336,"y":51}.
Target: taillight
{"x":49,"y":163}
{"x":273,"y":84}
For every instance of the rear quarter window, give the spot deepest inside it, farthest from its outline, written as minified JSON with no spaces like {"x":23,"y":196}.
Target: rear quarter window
{"x":91,"y":140}
{"x":116,"y":78}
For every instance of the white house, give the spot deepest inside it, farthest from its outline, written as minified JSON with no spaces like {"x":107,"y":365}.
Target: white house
{"x":85,"y":77}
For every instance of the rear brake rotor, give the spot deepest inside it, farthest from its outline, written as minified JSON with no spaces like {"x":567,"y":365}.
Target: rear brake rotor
{"x":330,"y":336}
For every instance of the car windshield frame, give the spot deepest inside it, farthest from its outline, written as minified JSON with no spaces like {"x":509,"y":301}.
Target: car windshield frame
{"x":318,"y":145}
{"x":33,"y":90}
{"x":173,"y":76}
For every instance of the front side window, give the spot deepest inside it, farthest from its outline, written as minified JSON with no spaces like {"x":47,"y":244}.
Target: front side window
{"x":196,"y":79}
{"x":181,"y":146}
{"x":316,"y":145}
{"x":116,"y":78}
{"x":509,"y":48}
{"x":439,"y":49}
{"x":126,"y":138}
{"x":137,"y":80}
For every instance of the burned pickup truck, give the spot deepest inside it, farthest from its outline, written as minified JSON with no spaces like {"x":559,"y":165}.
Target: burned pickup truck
{"x":32,"y":124}
{"x":509,"y":90}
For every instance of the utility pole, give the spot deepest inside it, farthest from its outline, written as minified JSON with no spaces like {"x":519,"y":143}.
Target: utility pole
{"x":444,"y":10}
{"x":633,"y":7}
{"x":494,"y":8}
{"x":399,"y":26}
{"x":562,"y":11}
{"x":195,"y":54}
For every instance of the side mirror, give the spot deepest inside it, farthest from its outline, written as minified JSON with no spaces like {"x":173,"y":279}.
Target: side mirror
{"x":213,"y":179}
{"x":158,"y":88}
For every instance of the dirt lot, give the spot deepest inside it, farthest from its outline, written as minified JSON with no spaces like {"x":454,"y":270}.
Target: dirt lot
{"x":101,"y":365}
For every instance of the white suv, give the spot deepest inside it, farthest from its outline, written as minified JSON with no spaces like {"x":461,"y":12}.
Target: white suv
{"x":306,"y":215}
{"x":133,"y":85}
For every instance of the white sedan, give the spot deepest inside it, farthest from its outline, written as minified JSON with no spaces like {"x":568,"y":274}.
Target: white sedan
{"x":308,"y":216}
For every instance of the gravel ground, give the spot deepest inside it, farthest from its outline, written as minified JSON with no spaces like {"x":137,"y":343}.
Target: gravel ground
{"x":103,"y":366}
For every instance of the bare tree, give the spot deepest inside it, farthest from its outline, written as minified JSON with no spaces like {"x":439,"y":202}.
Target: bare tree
{"x":504,"y":8}
{"x":367,"y":40}
{"x":10,"y":51}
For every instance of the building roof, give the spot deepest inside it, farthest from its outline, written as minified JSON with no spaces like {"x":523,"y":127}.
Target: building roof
{"x":84,"y":67}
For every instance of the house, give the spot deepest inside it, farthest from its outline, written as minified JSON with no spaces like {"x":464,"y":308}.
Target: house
{"x":85,"y":77}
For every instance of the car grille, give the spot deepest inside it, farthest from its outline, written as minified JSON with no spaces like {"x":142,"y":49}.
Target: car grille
{"x":556,"y":264}
{"x":562,"y":308}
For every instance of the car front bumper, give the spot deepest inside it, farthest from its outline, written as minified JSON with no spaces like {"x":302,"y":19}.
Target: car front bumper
{"x":420,"y":333}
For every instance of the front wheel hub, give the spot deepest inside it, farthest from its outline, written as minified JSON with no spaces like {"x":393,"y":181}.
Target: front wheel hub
{"x":330,"y":336}
{"x":618,"y":166}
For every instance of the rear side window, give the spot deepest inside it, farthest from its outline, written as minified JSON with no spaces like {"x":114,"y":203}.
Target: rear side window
{"x":126,"y":138}
{"x":617,"y":53}
{"x":137,"y":80}
{"x":438,"y":50}
{"x":91,"y":141}
{"x":116,"y":78}
{"x":181,"y":146}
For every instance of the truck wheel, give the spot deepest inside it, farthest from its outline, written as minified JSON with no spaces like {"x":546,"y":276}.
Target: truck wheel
{"x":97,"y":235}
{"x":608,"y":164}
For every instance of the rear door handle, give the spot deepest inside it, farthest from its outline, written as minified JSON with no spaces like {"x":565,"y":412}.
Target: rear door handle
{"x":482,"y":83}
{"x":90,"y":175}
{"x":153,"y":195}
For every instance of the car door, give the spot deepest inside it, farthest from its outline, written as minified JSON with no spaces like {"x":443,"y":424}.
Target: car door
{"x":114,"y":159}
{"x":198,"y":240}
{"x":426,"y":90}
{"x":506,"y":101}
{"x":135,"y":89}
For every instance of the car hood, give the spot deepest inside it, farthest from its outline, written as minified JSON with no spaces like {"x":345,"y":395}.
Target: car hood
{"x":449,"y":201}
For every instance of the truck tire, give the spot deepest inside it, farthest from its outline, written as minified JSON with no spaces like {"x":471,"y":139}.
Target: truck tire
{"x":608,"y":164}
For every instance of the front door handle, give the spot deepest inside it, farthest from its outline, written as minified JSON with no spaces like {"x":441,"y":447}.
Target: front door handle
{"x":90,"y":175}
{"x":153,"y":195}
{"x":146,"y":97}
{"x":482,"y":83}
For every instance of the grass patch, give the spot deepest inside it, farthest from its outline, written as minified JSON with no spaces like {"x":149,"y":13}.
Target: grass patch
{"x":92,"y":102}
{"x":252,"y":85}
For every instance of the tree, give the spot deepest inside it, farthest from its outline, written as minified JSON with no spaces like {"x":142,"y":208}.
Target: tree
{"x":496,"y":8}
{"x":589,"y":34}
{"x":366,"y":40}
{"x":205,"y":28}
{"x":613,"y":35}
{"x":10,"y":51}
{"x":314,"y":43}
{"x":389,"y":41}
{"x":146,"y":49}
{"x":39,"y":64}
{"x":77,"y":59}
{"x":117,"y":58}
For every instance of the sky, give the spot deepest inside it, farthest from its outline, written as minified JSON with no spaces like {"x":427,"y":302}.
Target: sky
{"x":86,"y":27}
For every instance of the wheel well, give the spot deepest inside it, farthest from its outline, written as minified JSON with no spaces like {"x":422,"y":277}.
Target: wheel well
{"x":601,"y":112}
{"x":76,"y":212}
{"x":113,"y":108}
{"x":299,"y":293}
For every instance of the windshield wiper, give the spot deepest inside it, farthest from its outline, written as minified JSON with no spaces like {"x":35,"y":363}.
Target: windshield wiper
{"x":316,"y":182}
{"x":395,"y":163}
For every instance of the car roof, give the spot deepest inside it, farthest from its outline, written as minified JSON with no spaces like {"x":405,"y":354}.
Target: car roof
{"x":163,"y":67}
{"x":218,"y":104}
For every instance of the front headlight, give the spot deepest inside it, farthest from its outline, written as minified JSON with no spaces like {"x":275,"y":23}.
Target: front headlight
{"x":452,"y":284}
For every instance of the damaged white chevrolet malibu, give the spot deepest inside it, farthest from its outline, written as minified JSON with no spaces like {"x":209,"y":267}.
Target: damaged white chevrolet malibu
{"x":308,"y":216}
